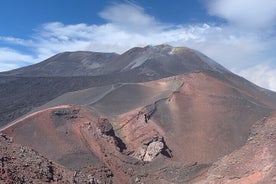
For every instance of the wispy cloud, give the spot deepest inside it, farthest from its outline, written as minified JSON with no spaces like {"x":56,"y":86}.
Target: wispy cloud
{"x":252,"y":24}
{"x":10,"y":59}
{"x":245,"y":13}
{"x":128,"y":25}
{"x":130,"y":17}
{"x":261,"y":74}
{"x":13,"y":40}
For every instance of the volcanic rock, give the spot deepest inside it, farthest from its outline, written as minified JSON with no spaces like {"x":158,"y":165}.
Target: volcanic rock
{"x":150,"y":149}
{"x":105,"y":126}
{"x":153,"y":150}
{"x":19,"y":164}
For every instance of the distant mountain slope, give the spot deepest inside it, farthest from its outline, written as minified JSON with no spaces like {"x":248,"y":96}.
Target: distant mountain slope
{"x":148,"y":61}
{"x":80,"y":63}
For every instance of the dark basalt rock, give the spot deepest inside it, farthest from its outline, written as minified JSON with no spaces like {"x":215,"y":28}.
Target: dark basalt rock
{"x":106,"y":127}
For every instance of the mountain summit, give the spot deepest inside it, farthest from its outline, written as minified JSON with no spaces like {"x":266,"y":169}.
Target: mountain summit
{"x":157,"y":60}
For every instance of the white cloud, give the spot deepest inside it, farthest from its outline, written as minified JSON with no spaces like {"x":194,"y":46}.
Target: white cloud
{"x":262,"y":75}
{"x":130,"y":17}
{"x":245,"y":13}
{"x":128,"y":26}
{"x":252,"y":42}
{"x":17,"y":41}
{"x":8,"y":66}
{"x":7,"y":54}
{"x":10,"y":59}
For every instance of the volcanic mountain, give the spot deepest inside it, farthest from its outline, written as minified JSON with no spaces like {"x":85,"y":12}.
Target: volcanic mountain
{"x":159,"y":61}
{"x":157,"y":114}
{"x":31,"y":86}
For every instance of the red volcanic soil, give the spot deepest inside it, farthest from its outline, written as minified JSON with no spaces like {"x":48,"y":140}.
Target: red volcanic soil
{"x":55,"y":133}
{"x":19,"y":164}
{"x":255,"y":162}
{"x":201,"y":121}
{"x":166,"y":131}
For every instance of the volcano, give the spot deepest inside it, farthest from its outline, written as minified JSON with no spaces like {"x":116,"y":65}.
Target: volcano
{"x":158,"y":114}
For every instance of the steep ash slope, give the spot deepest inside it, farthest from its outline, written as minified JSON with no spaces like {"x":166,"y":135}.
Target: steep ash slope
{"x":255,"y":162}
{"x":18,"y":95}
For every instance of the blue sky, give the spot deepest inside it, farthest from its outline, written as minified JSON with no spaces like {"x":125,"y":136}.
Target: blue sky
{"x":239,"y":34}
